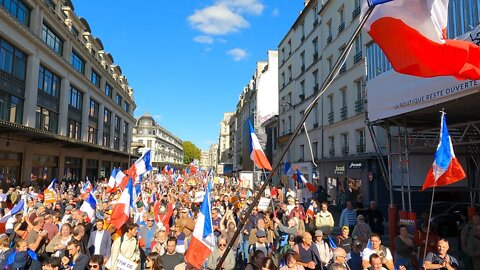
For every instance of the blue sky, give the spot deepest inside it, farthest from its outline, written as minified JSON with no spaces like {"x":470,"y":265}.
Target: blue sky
{"x":188,"y":60}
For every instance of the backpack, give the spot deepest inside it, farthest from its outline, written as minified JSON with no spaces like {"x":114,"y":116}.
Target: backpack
{"x":253,"y":247}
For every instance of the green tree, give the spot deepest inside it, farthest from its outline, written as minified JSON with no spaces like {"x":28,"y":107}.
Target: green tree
{"x":190,"y":152}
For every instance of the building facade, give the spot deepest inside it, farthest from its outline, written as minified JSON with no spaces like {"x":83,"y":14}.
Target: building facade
{"x":66,"y":109}
{"x":224,"y":140}
{"x":209,"y":158}
{"x":165,"y":147}
{"x":255,"y":106}
{"x":340,"y":155}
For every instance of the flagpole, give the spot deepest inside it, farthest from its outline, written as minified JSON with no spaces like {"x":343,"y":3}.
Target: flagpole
{"x":328,"y":80}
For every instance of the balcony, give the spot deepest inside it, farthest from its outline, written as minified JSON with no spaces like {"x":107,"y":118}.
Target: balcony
{"x":315,"y":23}
{"x":361,"y":148}
{"x":330,"y":118}
{"x":360,"y":106}
{"x":356,"y":12}
{"x":341,"y":27}
{"x":344,"y":112}
{"x":343,"y":69}
{"x":332,"y":152}
{"x":345,"y":150}
{"x":315,"y":56}
{"x":357,"y":57}
{"x":329,"y":39}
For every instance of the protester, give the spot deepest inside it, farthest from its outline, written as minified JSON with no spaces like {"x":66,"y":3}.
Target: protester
{"x":440,"y":259}
{"x":256,"y":261}
{"x":96,"y":262}
{"x":229,"y":263}
{"x":153,"y":261}
{"x":344,"y":240}
{"x":291,"y":262}
{"x":321,"y":250}
{"x":171,"y":258}
{"x":100,"y":241}
{"x":354,"y":257}
{"x":362,"y":230}
{"x":324,"y":219}
{"x":58,"y":245}
{"x":348,"y":217}
{"x":377,"y":248}
{"x":76,"y":260}
{"x":305,"y":250}
{"x":127,"y":246}
{"x":339,"y":256}
{"x":404,"y":249}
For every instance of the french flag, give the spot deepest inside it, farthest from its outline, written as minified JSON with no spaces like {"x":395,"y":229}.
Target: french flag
{"x":301,"y":179}
{"x":412,"y":34}
{"x":310,"y":211}
{"x":111,"y":181}
{"x":87,"y":187}
{"x":257,"y":155}
{"x":89,"y":206}
{"x":53,"y":185}
{"x":445,"y":169}
{"x":16,"y":209}
{"x":203,"y":240}
{"x":121,"y":211}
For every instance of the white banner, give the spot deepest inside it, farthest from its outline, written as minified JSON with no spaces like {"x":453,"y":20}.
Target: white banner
{"x":392,"y":93}
{"x":263,"y":204}
{"x":199,"y":195}
{"x":124,"y":263}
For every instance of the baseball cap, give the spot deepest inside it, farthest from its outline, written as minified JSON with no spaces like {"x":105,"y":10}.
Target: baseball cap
{"x":318,"y":233}
{"x":69,"y":208}
{"x":261,"y":233}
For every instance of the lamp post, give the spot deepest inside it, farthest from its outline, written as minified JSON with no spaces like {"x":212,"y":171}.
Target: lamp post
{"x":134,"y":145}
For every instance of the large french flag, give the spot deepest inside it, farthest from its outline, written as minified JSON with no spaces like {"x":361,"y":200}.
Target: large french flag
{"x":412,"y":34}
{"x":89,"y":206}
{"x":121,"y":211}
{"x":445,"y":169}
{"x":111,"y":181}
{"x":203,"y":240}
{"x":53,"y":185}
{"x":256,"y":154}
{"x":16,"y":209}
{"x":302,"y":179}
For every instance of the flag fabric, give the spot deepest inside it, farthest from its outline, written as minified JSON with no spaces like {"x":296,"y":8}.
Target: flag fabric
{"x":121,"y":211}
{"x":111,"y":180}
{"x":310,"y":211}
{"x":89,"y":206}
{"x":16,"y":209}
{"x":412,"y":34}
{"x":256,"y":154}
{"x":203,"y":240}
{"x":445,"y":169}
{"x":53,"y":185}
{"x":87,"y":187}
{"x":332,"y":243}
{"x":301,"y":179}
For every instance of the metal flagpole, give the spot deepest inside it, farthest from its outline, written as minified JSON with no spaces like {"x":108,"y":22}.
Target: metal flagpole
{"x":328,"y":80}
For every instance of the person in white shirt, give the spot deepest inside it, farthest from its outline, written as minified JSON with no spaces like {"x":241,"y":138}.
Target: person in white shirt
{"x":100,"y":241}
{"x":382,"y":251}
{"x":321,"y":249}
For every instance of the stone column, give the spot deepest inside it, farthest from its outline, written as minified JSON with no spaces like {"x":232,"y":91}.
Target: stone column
{"x":31,"y":91}
{"x":85,"y":111}
{"x":63,"y":109}
{"x":101,"y":114}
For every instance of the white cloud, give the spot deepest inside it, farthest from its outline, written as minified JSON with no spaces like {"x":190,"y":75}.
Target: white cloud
{"x":245,"y":6}
{"x":237,"y":54}
{"x":158,"y":117}
{"x":218,"y":19}
{"x":275,"y":12}
{"x":203,"y":39}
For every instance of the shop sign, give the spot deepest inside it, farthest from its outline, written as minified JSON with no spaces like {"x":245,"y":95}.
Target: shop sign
{"x":339,"y":169}
{"x":355,"y":165}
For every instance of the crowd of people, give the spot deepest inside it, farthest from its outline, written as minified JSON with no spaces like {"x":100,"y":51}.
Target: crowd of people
{"x":291,"y":233}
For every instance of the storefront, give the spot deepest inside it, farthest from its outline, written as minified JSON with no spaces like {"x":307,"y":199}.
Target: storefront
{"x":10,"y":164}
{"x":44,"y":168}
{"x":350,"y":180}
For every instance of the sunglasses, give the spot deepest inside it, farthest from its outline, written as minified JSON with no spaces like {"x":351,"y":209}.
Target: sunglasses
{"x":222,"y":245}
{"x":93,"y":266}
{"x":150,"y":220}
{"x":261,"y":237}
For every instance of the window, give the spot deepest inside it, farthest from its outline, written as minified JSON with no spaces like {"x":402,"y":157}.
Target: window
{"x":93,"y":112}
{"x":302,"y":60}
{"x":18,"y":9}
{"x":11,"y":108}
{"x":377,"y":62}
{"x":315,"y":80}
{"x":125,"y":127}
{"x":126,"y":107}
{"x":92,"y":135}
{"x":358,"y":49}
{"x":149,"y":143}
{"x":315,"y":116}
{"x":289,"y":73}
{"x":117,"y":124}
{"x":74,"y":129}
{"x":330,"y":114}
{"x":359,"y":103}
{"x":302,"y":90}
{"x":76,"y":98}
{"x":283,"y":79}
{"x":77,"y":63}
{"x":116,"y":143}
{"x":315,"y":150}
{"x":95,"y":78}
{"x":118,"y":100}
{"x":360,"y":137}
{"x":48,"y":82}
{"x":290,"y":123}
{"x":74,"y":31}
{"x":345,"y":149}
{"x":108,"y":90}
{"x":12,"y":60}
{"x":106,"y":139}
{"x":51,"y":39}
{"x":329,"y":31}
{"x":107,"y":117}
{"x":315,"y":48}
{"x":332,"y":145}
{"x":289,"y":43}
{"x":463,"y":16}
{"x":46,"y":120}
{"x":341,"y":15}
{"x":302,"y":29}
{"x":330,"y":63}
{"x":302,"y":152}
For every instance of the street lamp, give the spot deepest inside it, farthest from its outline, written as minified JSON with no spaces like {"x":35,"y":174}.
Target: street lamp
{"x":134,"y":145}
